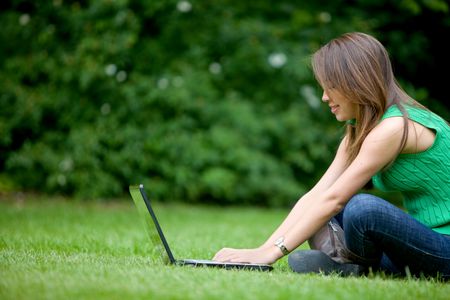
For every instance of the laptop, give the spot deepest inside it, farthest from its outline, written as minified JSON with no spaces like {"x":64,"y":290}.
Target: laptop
{"x":161,"y":247}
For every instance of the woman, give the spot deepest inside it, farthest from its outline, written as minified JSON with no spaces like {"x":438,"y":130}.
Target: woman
{"x":391,"y":140}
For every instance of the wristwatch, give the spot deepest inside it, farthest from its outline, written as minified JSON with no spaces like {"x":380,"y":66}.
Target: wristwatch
{"x":280,"y":244}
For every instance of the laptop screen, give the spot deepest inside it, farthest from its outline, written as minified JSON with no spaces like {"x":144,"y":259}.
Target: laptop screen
{"x":160,"y":247}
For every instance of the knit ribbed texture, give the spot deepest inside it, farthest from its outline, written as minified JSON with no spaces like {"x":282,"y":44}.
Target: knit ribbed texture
{"x":423,"y":178}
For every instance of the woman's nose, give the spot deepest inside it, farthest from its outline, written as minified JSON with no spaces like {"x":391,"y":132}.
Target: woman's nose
{"x":325,"y":97}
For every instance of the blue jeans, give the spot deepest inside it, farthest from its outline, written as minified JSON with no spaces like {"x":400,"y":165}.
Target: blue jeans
{"x":384,"y":237}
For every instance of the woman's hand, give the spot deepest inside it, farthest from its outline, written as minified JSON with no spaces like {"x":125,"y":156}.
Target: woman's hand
{"x":266,"y":255}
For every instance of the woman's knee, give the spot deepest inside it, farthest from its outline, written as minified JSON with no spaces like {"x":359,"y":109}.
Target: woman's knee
{"x":362,"y":208}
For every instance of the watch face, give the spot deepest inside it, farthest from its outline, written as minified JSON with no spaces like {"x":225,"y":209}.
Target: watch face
{"x":279,"y":241}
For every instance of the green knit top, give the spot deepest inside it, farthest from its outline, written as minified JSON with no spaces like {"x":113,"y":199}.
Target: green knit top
{"x":423,"y":178}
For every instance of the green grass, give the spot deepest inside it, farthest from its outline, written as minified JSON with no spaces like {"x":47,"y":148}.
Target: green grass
{"x":66,"y":250}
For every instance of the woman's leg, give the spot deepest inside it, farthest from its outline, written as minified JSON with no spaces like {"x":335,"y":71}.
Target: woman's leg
{"x":383,"y":236}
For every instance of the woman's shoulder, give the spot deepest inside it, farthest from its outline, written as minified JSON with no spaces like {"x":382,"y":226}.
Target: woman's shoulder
{"x":389,"y":126}
{"x":387,"y":134}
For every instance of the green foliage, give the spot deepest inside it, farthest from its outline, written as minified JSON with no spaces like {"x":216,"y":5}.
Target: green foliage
{"x":201,"y":101}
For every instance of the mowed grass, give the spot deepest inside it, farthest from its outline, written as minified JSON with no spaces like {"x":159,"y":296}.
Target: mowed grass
{"x":56,"y":249}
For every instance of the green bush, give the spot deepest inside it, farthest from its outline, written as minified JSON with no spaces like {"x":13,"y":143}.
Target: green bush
{"x":200,"y":101}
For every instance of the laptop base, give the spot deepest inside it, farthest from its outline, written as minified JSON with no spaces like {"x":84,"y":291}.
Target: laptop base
{"x":223,"y":265}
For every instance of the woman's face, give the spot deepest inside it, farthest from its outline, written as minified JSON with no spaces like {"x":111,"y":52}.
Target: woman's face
{"x":342,"y":108}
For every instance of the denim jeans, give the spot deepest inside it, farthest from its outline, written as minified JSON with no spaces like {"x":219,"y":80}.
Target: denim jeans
{"x":386,"y":238}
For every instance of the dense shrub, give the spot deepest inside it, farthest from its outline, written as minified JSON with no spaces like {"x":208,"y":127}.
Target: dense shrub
{"x":201,"y":101}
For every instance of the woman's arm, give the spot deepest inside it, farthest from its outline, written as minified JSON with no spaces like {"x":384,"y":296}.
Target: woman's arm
{"x":377,"y":150}
{"x":329,"y":195}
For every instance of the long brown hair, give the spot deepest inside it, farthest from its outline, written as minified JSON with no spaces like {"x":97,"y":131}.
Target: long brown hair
{"x":357,"y":66}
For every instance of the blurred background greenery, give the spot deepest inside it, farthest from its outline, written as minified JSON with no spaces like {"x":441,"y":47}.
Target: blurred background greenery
{"x":202,"y":101}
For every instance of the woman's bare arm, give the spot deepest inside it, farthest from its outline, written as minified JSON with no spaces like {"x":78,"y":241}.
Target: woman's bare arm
{"x":378,"y":149}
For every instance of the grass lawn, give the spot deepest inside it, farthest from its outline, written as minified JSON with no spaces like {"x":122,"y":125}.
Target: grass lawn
{"x":54,"y":249}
